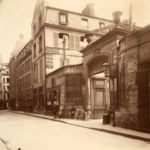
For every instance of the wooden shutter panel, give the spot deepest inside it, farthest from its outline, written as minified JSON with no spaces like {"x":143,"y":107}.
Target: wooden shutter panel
{"x":77,"y":42}
{"x":55,"y":39}
{"x":71,"y":41}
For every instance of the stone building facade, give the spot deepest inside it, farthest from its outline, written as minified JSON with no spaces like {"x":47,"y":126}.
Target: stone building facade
{"x":133,"y":78}
{"x":24,"y":78}
{"x":5,"y":85}
{"x":49,"y":28}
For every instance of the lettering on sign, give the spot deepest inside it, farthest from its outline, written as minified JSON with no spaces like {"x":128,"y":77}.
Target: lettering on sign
{"x":74,"y":69}
{"x":49,"y":61}
{"x":52,"y":50}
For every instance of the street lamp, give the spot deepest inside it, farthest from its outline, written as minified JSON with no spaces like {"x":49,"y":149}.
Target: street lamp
{"x":106,"y":72}
{"x":64,"y":50}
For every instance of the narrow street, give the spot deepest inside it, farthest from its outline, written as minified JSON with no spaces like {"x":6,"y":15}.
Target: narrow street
{"x":31,"y":133}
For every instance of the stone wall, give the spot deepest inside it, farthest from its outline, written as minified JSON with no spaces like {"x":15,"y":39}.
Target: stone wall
{"x":126,"y":120}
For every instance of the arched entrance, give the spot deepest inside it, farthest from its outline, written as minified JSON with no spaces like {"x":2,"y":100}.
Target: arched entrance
{"x":98,"y":86}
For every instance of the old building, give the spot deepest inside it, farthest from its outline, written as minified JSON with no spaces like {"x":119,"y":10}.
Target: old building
{"x":133,"y":81}
{"x":49,"y":28}
{"x":23,"y":77}
{"x":64,"y":86}
{"x":5,"y":85}
{"x":13,"y":103}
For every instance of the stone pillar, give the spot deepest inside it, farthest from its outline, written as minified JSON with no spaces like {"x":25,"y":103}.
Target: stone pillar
{"x":88,"y":100}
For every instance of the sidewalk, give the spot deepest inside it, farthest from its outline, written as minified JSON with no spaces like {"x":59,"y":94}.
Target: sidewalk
{"x":2,"y":145}
{"x":95,"y":125}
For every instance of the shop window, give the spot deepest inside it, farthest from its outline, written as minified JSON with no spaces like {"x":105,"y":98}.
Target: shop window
{"x":84,"y":23}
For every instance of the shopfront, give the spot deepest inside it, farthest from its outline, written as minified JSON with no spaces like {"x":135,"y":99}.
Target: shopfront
{"x":64,"y":88}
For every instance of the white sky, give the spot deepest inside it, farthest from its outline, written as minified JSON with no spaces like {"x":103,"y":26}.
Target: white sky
{"x":16,"y":16}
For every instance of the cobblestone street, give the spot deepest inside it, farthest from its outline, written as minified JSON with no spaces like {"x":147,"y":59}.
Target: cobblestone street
{"x":31,"y":133}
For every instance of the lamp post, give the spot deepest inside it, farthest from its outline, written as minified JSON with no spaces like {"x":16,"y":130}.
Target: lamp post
{"x":64,"y":50}
{"x":106,"y":67}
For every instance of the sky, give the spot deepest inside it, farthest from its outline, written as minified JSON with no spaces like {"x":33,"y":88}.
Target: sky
{"x":16,"y":16}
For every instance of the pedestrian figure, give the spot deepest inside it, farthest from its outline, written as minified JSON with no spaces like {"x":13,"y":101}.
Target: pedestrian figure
{"x":55,"y":110}
{"x":73,"y":111}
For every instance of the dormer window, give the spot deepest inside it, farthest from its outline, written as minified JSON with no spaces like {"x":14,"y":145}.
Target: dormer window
{"x":84,"y":23}
{"x":101,"y":24}
{"x":63,"y":18}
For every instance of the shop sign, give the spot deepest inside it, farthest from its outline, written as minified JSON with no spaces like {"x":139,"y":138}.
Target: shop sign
{"x":74,"y":69}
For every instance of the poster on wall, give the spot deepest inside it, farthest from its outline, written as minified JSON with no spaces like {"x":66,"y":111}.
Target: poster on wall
{"x":49,"y":63}
{"x":73,"y":87}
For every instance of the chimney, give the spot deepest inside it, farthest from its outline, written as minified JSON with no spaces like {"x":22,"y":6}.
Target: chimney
{"x":89,"y":10}
{"x":116,"y":17}
{"x":88,"y":37}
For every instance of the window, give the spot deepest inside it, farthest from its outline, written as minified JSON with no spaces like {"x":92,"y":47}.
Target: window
{"x":71,"y":41}
{"x":83,"y":42}
{"x":114,"y":57}
{"x":41,"y":69}
{"x":61,"y":38}
{"x":40,"y":44}
{"x":77,"y":42}
{"x":35,"y":73}
{"x":55,"y":39}
{"x":3,"y":80}
{"x":101,"y":24}
{"x":84,"y":23}
{"x":7,"y":80}
{"x":63,"y":18}
{"x":34,"y":48}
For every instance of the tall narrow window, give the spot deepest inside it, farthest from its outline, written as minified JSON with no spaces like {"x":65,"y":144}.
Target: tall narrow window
{"x":34,"y":48}
{"x":55,"y":39}
{"x":41,"y":69}
{"x":84,"y":23}
{"x":71,"y":41}
{"x":35,"y":73}
{"x":77,"y":42}
{"x":40,"y":44}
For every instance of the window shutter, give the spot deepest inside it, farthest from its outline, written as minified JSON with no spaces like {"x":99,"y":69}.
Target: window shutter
{"x":55,"y":39}
{"x":71,"y":40}
{"x":77,"y":42}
